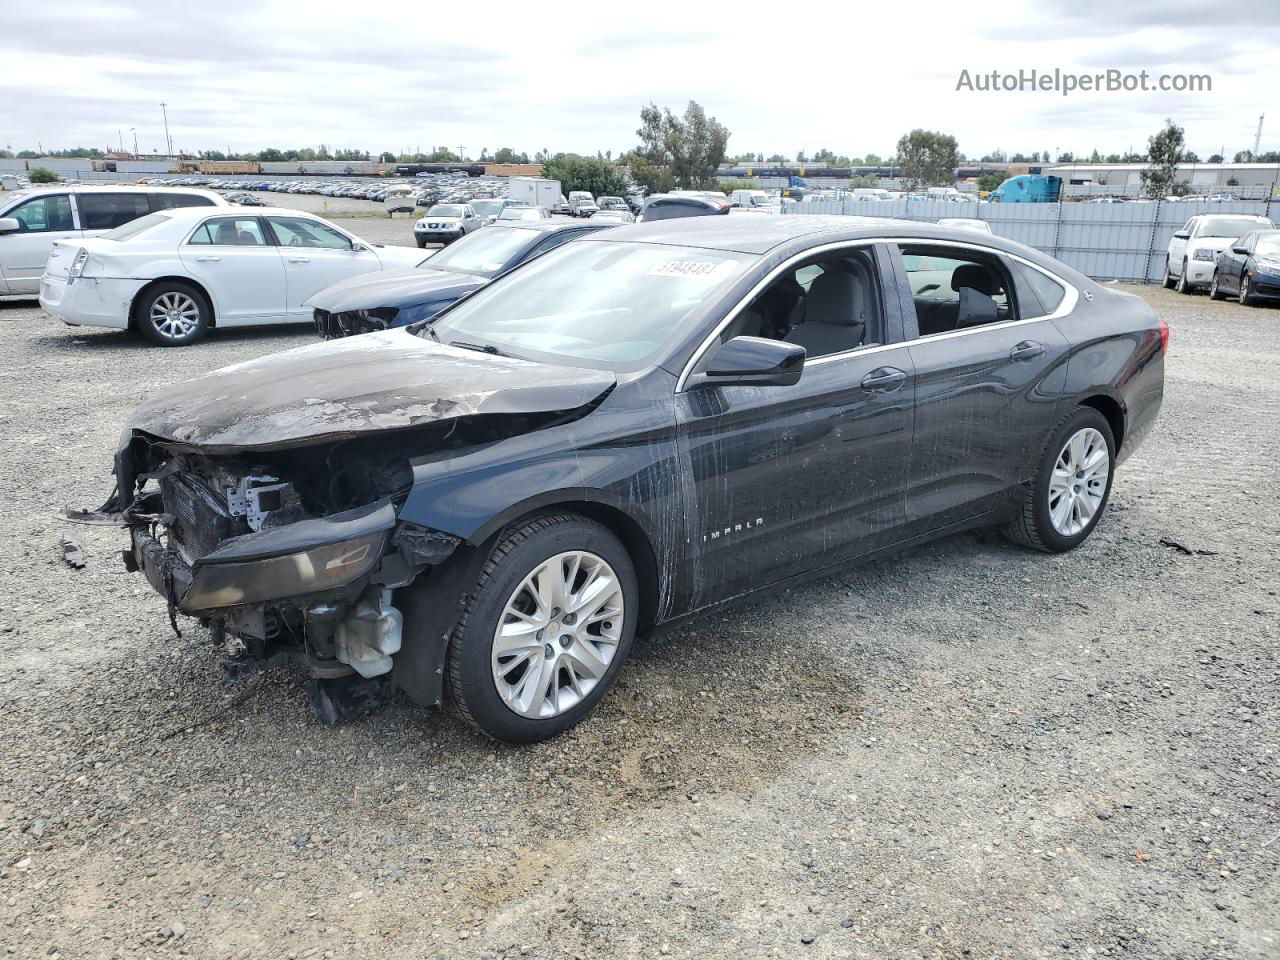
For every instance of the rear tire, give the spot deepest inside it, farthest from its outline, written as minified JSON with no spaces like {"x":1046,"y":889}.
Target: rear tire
{"x":173,"y":314}
{"x":1052,"y":523}
{"x":576,"y":651}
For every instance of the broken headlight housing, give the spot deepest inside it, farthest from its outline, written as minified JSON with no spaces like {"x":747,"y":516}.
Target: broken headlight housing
{"x":319,"y":568}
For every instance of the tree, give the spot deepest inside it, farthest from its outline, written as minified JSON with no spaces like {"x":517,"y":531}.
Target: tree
{"x":1190,"y":156}
{"x":1242,"y":156}
{"x":677,"y":151}
{"x":6,"y":154}
{"x":990,"y":181}
{"x":507,"y":155}
{"x":42,"y":175}
{"x":1270,"y":156}
{"x":575,"y":172}
{"x":927,"y":158}
{"x":777,"y":158}
{"x":1067,"y":157}
{"x":1216,"y":158}
{"x":863,"y":180}
{"x":872,"y":159}
{"x":1164,"y":150}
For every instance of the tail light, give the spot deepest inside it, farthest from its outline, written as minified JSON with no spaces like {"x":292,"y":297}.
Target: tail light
{"x":77,"y":265}
{"x":1164,"y":336}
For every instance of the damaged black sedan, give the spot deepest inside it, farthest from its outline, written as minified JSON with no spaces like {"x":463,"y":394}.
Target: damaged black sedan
{"x":631,"y":429}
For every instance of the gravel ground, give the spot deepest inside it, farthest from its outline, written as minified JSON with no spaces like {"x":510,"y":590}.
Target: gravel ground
{"x":966,"y":751}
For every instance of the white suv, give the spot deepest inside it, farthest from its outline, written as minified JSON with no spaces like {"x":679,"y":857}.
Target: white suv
{"x":1195,"y":247}
{"x":31,"y":220}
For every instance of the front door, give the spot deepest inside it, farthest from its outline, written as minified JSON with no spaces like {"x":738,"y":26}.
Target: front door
{"x":23,"y":254}
{"x":784,"y":479}
{"x":315,"y":256}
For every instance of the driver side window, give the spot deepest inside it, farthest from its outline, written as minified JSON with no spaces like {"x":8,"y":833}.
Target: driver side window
{"x":828,"y":306}
{"x":298,"y":232}
{"x":44,"y":214}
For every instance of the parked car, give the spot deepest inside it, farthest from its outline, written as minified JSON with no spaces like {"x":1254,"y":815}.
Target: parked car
{"x":581,"y":203}
{"x":1194,"y":249}
{"x":245,"y":200}
{"x":671,"y":206}
{"x":33,"y":220}
{"x":517,"y":212}
{"x":445,"y":223}
{"x":488,"y":209}
{"x":611,"y":203}
{"x":965,"y":223}
{"x":175,"y":275}
{"x":400,"y":297}
{"x":1249,"y":268}
{"x":633,"y":428}
{"x":612,"y":216}
{"x":561,"y":205}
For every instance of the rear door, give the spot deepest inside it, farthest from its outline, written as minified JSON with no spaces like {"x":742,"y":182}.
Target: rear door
{"x":23,"y":254}
{"x":315,"y":256}
{"x":989,"y":365}
{"x":236,"y":261}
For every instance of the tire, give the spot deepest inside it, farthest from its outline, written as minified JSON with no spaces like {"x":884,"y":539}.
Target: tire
{"x":1214,"y":292}
{"x":1183,"y":286}
{"x":173,"y":314}
{"x":422,"y":244}
{"x":487,"y":688}
{"x":1169,"y":281}
{"x":1246,"y":298}
{"x":1034,"y":524}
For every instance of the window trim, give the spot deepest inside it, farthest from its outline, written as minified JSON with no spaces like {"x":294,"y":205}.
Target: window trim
{"x":1065,"y":308}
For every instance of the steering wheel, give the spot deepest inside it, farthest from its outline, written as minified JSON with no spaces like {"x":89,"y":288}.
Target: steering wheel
{"x":295,"y":241}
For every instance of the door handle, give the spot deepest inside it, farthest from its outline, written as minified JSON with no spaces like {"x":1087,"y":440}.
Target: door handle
{"x":883,"y":380}
{"x":1026,"y":350}
{"x":299,"y":259}
{"x":208,"y":259}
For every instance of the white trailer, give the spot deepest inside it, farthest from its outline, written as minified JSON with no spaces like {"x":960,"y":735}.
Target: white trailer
{"x":535,"y":191}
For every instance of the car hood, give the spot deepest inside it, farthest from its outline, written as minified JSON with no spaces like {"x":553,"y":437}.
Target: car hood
{"x":446,"y":220}
{"x":394,"y":288}
{"x":338,"y":389}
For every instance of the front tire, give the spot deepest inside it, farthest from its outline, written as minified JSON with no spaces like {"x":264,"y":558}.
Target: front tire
{"x":1246,"y":295}
{"x":1065,"y":500}
{"x":546,"y":629}
{"x":174,"y":314}
{"x":1214,"y":292}
{"x":1184,"y":286}
{"x":1168,"y":277}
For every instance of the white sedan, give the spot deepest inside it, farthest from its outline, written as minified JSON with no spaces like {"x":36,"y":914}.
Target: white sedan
{"x":173,"y":275}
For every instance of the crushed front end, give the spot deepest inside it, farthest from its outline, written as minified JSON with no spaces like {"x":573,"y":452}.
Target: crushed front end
{"x":291,"y":553}
{"x":349,"y":323}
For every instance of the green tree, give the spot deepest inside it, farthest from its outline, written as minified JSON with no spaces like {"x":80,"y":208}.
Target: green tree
{"x":990,"y":181}
{"x":927,"y":158}
{"x":872,"y":160}
{"x":1164,"y":150}
{"x":575,"y":172}
{"x":508,"y":155}
{"x":777,"y":158}
{"x":676,"y":151}
{"x":1242,"y":156}
{"x":1216,"y":158}
{"x":6,"y":154}
{"x":42,"y":175}
{"x":863,"y":180}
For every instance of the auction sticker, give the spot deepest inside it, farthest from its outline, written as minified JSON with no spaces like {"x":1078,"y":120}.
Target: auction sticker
{"x":686,"y":268}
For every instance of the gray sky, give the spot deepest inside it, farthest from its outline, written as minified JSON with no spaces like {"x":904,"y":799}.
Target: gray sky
{"x":268,"y":73}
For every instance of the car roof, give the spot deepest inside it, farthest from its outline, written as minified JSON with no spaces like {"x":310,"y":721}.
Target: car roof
{"x":541,"y":226}
{"x":787,"y":234}
{"x":198,"y":213}
{"x":42,"y":188}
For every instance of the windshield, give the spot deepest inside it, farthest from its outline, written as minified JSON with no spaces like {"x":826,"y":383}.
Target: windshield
{"x":484,"y":252}
{"x":1229,"y":227}
{"x":445,"y":210}
{"x":520,"y":213}
{"x":609,"y":302}
{"x":486,"y":208}
{"x":1269,"y":245}
{"x":135,"y":227}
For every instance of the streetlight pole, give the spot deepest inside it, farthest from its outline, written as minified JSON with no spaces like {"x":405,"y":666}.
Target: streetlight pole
{"x":167,"y":139}
{"x":134,"y":131}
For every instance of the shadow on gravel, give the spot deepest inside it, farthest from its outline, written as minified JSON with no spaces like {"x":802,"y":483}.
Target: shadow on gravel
{"x":86,"y":339}
{"x":21,"y":303}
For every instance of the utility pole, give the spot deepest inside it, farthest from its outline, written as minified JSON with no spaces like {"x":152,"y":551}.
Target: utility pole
{"x":1257,"y":137}
{"x":120,"y":137}
{"x":134,"y":131}
{"x":167,"y":139}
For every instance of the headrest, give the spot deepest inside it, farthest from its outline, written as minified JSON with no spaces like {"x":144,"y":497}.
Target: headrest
{"x":834,"y":297}
{"x":976,"y":277}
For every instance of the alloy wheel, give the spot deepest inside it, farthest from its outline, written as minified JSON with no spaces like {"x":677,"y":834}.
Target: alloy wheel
{"x":175,"y":315}
{"x":1079,"y":481}
{"x":557,"y":634}
{"x":1244,"y":288}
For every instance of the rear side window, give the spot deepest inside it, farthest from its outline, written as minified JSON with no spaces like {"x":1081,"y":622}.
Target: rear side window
{"x":106,"y":211}
{"x":1048,"y":292}
{"x":43,"y":214}
{"x":135,"y":227}
{"x":167,"y":201}
{"x":229,"y":232}
{"x":956,"y":289}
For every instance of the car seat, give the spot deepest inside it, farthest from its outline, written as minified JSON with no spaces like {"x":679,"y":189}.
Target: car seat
{"x":834,"y":317}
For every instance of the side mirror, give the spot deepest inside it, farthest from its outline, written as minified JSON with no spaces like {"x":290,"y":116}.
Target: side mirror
{"x":10,"y":225}
{"x":753,"y":361}
{"x":1243,"y":251}
{"x":1180,"y":235}
{"x":358,"y":247}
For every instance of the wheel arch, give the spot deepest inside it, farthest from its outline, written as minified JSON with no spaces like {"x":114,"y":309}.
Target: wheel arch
{"x":171,"y":278}
{"x":1110,"y":408}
